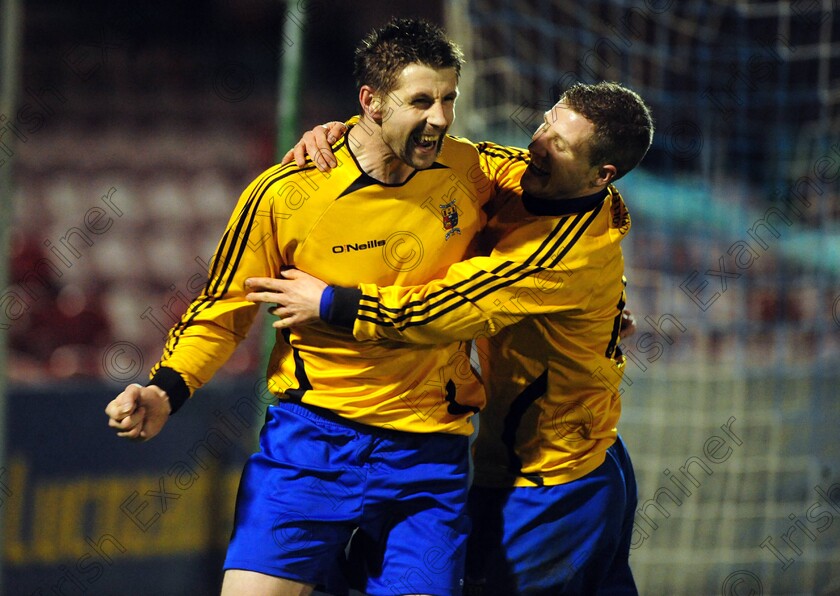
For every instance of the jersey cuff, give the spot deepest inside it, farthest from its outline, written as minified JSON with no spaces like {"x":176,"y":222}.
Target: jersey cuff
{"x":326,"y":303}
{"x":344,"y":306}
{"x":170,"y":381}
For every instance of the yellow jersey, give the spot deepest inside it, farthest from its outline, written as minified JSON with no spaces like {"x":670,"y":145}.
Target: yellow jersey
{"x":545,"y":310}
{"x":345,"y":227}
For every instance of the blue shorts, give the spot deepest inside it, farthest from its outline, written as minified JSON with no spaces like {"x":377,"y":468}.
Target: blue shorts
{"x":319,"y":479}
{"x":570,"y":538}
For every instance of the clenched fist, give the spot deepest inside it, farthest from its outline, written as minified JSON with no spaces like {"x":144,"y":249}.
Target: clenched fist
{"x":139,"y":413}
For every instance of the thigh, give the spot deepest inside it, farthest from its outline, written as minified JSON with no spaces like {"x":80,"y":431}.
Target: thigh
{"x":412,"y":539}
{"x":238,"y":581}
{"x":299,"y":500}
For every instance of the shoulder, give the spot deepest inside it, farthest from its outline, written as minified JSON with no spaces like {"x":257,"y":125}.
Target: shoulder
{"x":456,"y":143}
{"x":308,"y":171}
{"x":461,"y":150}
{"x":504,"y":151}
{"x":619,"y":215}
{"x":278,"y":173}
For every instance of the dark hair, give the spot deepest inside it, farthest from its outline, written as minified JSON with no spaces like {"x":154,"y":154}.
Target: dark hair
{"x":623,"y":123}
{"x":382,"y":55}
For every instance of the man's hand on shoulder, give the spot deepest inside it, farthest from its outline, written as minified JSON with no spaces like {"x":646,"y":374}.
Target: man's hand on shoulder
{"x":316,"y":144}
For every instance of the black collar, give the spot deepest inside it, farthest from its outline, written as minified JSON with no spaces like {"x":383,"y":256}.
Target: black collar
{"x":539,"y":206}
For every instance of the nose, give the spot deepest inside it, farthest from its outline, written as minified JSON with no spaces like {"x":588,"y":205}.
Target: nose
{"x":536,"y":145}
{"x":436,"y":116}
{"x":541,"y":129}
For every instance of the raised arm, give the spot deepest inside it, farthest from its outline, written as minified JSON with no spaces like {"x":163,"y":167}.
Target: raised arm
{"x":213,"y":325}
{"x":539,"y":265}
{"x":477,"y":297}
{"x":297,"y":299}
{"x":532,"y":272}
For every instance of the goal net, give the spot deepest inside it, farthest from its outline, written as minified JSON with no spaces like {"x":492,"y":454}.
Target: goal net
{"x":730,"y":400}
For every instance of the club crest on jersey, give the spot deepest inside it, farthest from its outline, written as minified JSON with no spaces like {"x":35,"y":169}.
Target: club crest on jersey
{"x":449,"y":213}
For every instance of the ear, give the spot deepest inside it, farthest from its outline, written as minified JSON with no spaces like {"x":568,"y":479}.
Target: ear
{"x":371,"y":103}
{"x":605,"y":174}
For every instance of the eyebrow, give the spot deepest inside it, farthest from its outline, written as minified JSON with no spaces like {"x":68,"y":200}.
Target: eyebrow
{"x":548,"y":124}
{"x":425,"y":95}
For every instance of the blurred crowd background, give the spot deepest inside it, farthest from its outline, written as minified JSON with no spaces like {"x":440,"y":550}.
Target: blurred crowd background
{"x":172,"y":110}
{"x":138,"y":125}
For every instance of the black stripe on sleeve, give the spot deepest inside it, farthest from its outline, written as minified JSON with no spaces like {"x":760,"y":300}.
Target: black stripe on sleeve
{"x":234,"y":241}
{"x":549,"y":254}
{"x":501,"y":151}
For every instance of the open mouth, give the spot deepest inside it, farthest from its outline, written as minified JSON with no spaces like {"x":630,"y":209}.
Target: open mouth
{"x":426,"y":142}
{"x":537,"y":170}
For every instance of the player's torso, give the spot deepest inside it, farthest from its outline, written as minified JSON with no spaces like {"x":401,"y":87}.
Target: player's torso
{"x":552,"y":380}
{"x":357,"y":230}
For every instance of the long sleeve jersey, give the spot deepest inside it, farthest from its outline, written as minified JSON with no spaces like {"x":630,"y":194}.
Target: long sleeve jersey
{"x":545,"y":309}
{"x":345,"y":227}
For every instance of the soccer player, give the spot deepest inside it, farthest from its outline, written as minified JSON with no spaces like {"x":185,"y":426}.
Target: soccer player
{"x":366,"y":438}
{"x":554,"y":493}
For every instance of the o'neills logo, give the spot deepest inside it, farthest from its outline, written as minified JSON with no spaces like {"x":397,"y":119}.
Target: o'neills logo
{"x":340,"y":248}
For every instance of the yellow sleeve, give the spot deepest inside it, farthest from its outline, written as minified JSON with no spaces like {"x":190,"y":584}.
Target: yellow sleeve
{"x":502,"y":167}
{"x":479,"y":296}
{"x":220,"y":317}
{"x":547,"y":266}
{"x":544,"y":265}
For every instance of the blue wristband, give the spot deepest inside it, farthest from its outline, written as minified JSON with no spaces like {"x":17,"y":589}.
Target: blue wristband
{"x":326,"y":303}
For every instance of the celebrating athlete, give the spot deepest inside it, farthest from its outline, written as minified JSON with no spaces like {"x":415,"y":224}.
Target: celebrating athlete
{"x":554,"y":493}
{"x":367,"y":439}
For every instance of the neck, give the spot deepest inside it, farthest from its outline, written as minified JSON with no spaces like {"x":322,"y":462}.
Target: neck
{"x":581,"y":193}
{"x":374,"y":156}
{"x":563,"y":206}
